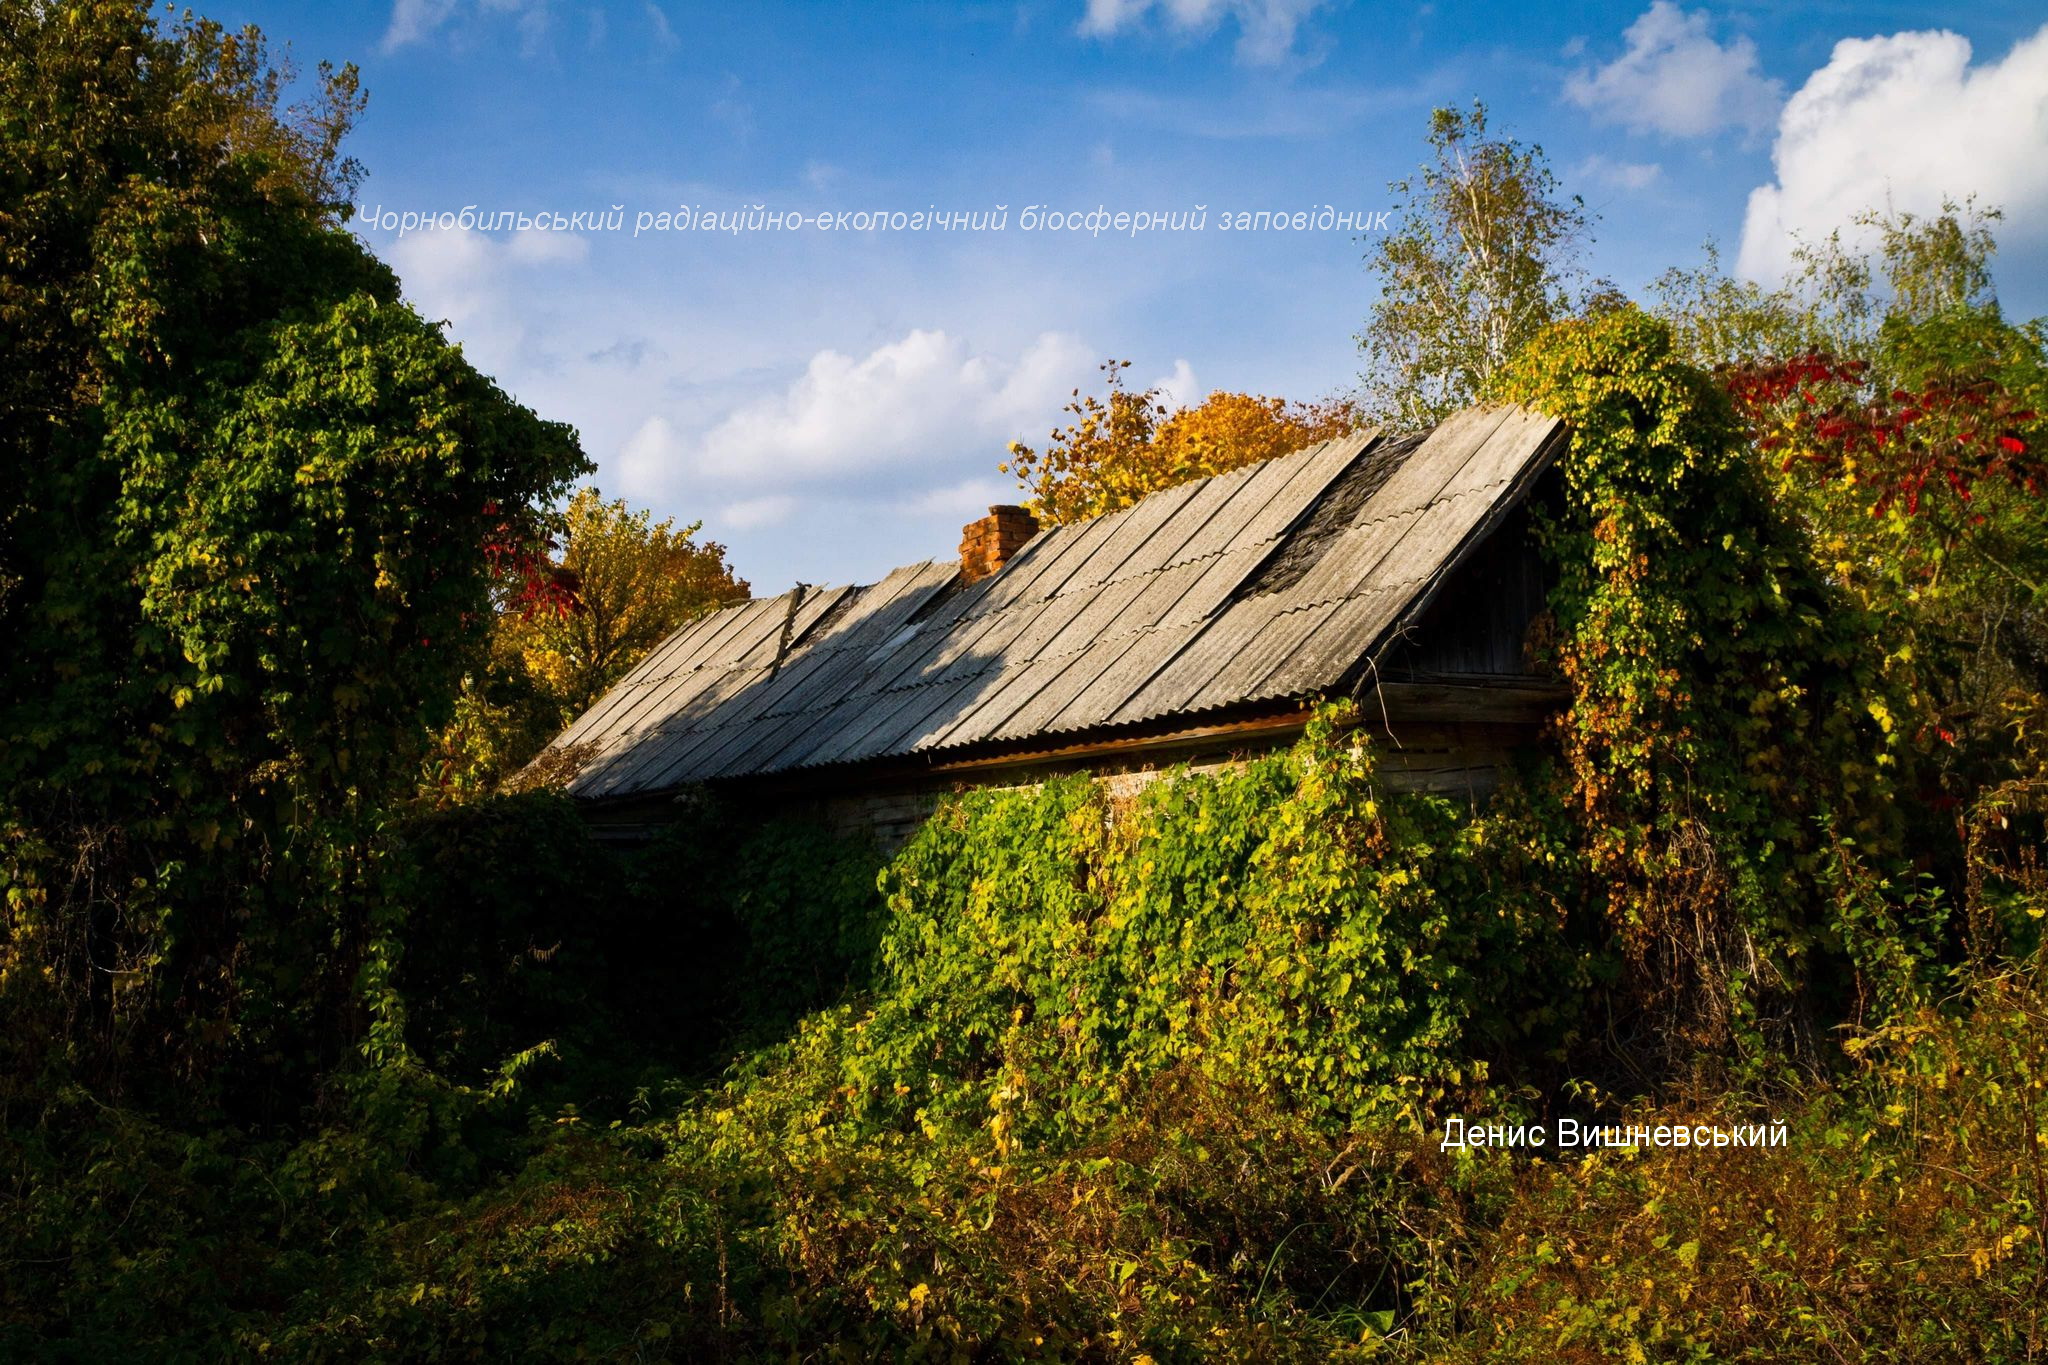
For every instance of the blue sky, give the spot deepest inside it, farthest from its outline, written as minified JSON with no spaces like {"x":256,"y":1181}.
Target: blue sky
{"x":834,"y":403}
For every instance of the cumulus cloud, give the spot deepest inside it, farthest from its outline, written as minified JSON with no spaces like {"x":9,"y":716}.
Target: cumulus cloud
{"x":905,"y":437}
{"x":1903,"y":122}
{"x":918,"y":402}
{"x":1674,"y":78}
{"x":926,"y":412}
{"x":1177,"y":386}
{"x":1266,"y":29}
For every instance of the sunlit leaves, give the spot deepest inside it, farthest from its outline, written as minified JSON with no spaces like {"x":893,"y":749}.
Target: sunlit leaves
{"x":1124,"y":446}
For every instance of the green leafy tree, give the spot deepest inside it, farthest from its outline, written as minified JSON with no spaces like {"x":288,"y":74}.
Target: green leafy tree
{"x":1484,"y":259}
{"x":250,"y":506}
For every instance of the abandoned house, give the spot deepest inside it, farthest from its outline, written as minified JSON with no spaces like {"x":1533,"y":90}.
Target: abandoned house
{"x":1196,"y":626}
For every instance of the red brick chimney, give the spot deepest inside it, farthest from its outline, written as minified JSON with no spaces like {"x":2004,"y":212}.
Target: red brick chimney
{"x":987,"y":545}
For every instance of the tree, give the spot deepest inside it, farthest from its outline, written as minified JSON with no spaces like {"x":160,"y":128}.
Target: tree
{"x":1485,"y":258}
{"x":621,"y":584}
{"x":250,"y":506}
{"x":1903,"y":424}
{"x":636,"y":580}
{"x":1897,"y":405}
{"x":1124,"y":445}
{"x":1840,"y":297}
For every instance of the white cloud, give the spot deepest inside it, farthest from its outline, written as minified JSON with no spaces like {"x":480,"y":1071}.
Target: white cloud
{"x":1674,"y":78}
{"x":664,"y":32}
{"x":1177,"y":388}
{"x":1621,"y":175}
{"x":471,"y":279}
{"x":649,"y":460}
{"x":1266,"y":29}
{"x":751,"y":514}
{"x":547,"y":247}
{"x":901,"y":442}
{"x":923,"y":401}
{"x":962,"y":502}
{"x":415,"y":21}
{"x":734,"y":111}
{"x":1901,"y":122}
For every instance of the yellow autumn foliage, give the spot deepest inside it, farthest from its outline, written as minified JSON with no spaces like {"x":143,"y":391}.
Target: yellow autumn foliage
{"x":633,"y":581}
{"x":636,"y":580}
{"x":1123,"y":446}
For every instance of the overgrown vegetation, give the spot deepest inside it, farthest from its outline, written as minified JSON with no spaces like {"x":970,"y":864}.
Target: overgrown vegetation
{"x":295,"y":1063}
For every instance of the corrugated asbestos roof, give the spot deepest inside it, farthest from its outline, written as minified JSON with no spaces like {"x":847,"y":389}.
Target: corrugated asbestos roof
{"x":1269,"y":582}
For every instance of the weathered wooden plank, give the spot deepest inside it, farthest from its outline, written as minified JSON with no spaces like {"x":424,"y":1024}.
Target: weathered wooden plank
{"x":1048,"y":621}
{"x":802,"y":733}
{"x":691,"y":642}
{"x":1213,"y":535}
{"x":1204,"y":656}
{"x":793,"y":687}
{"x":1167,"y":589}
{"x":766,"y":743}
{"x":907,"y":726}
{"x":654,"y":702}
{"x":714,"y":647}
{"x":807,"y":733}
{"x":692,"y":756}
{"x":691,"y":701}
{"x":1223,"y":575}
{"x":860,"y":638}
{"x":693,"y":715}
{"x":1430,"y":541}
{"x":655,"y":747}
{"x":1022,"y":579}
{"x":1263,"y":482}
{"x":682,"y":759}
{"x":591,"y":725}
{"x":966,"y":647}
{"x":688,"y":641}
{"x":1130,"y":616}
{"x":1101,"y":616}
{"x":1506,"y":701}
{"x":1002,"y":694}
{"x":1168,"y":545}
{"x":1083,"y":540}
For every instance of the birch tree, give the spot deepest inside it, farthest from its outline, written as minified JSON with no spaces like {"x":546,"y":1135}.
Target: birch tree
{"x":1485,"y":257}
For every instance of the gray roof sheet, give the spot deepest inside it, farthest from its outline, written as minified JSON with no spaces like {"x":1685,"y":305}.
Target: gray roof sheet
{"x":1223,"y":591}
